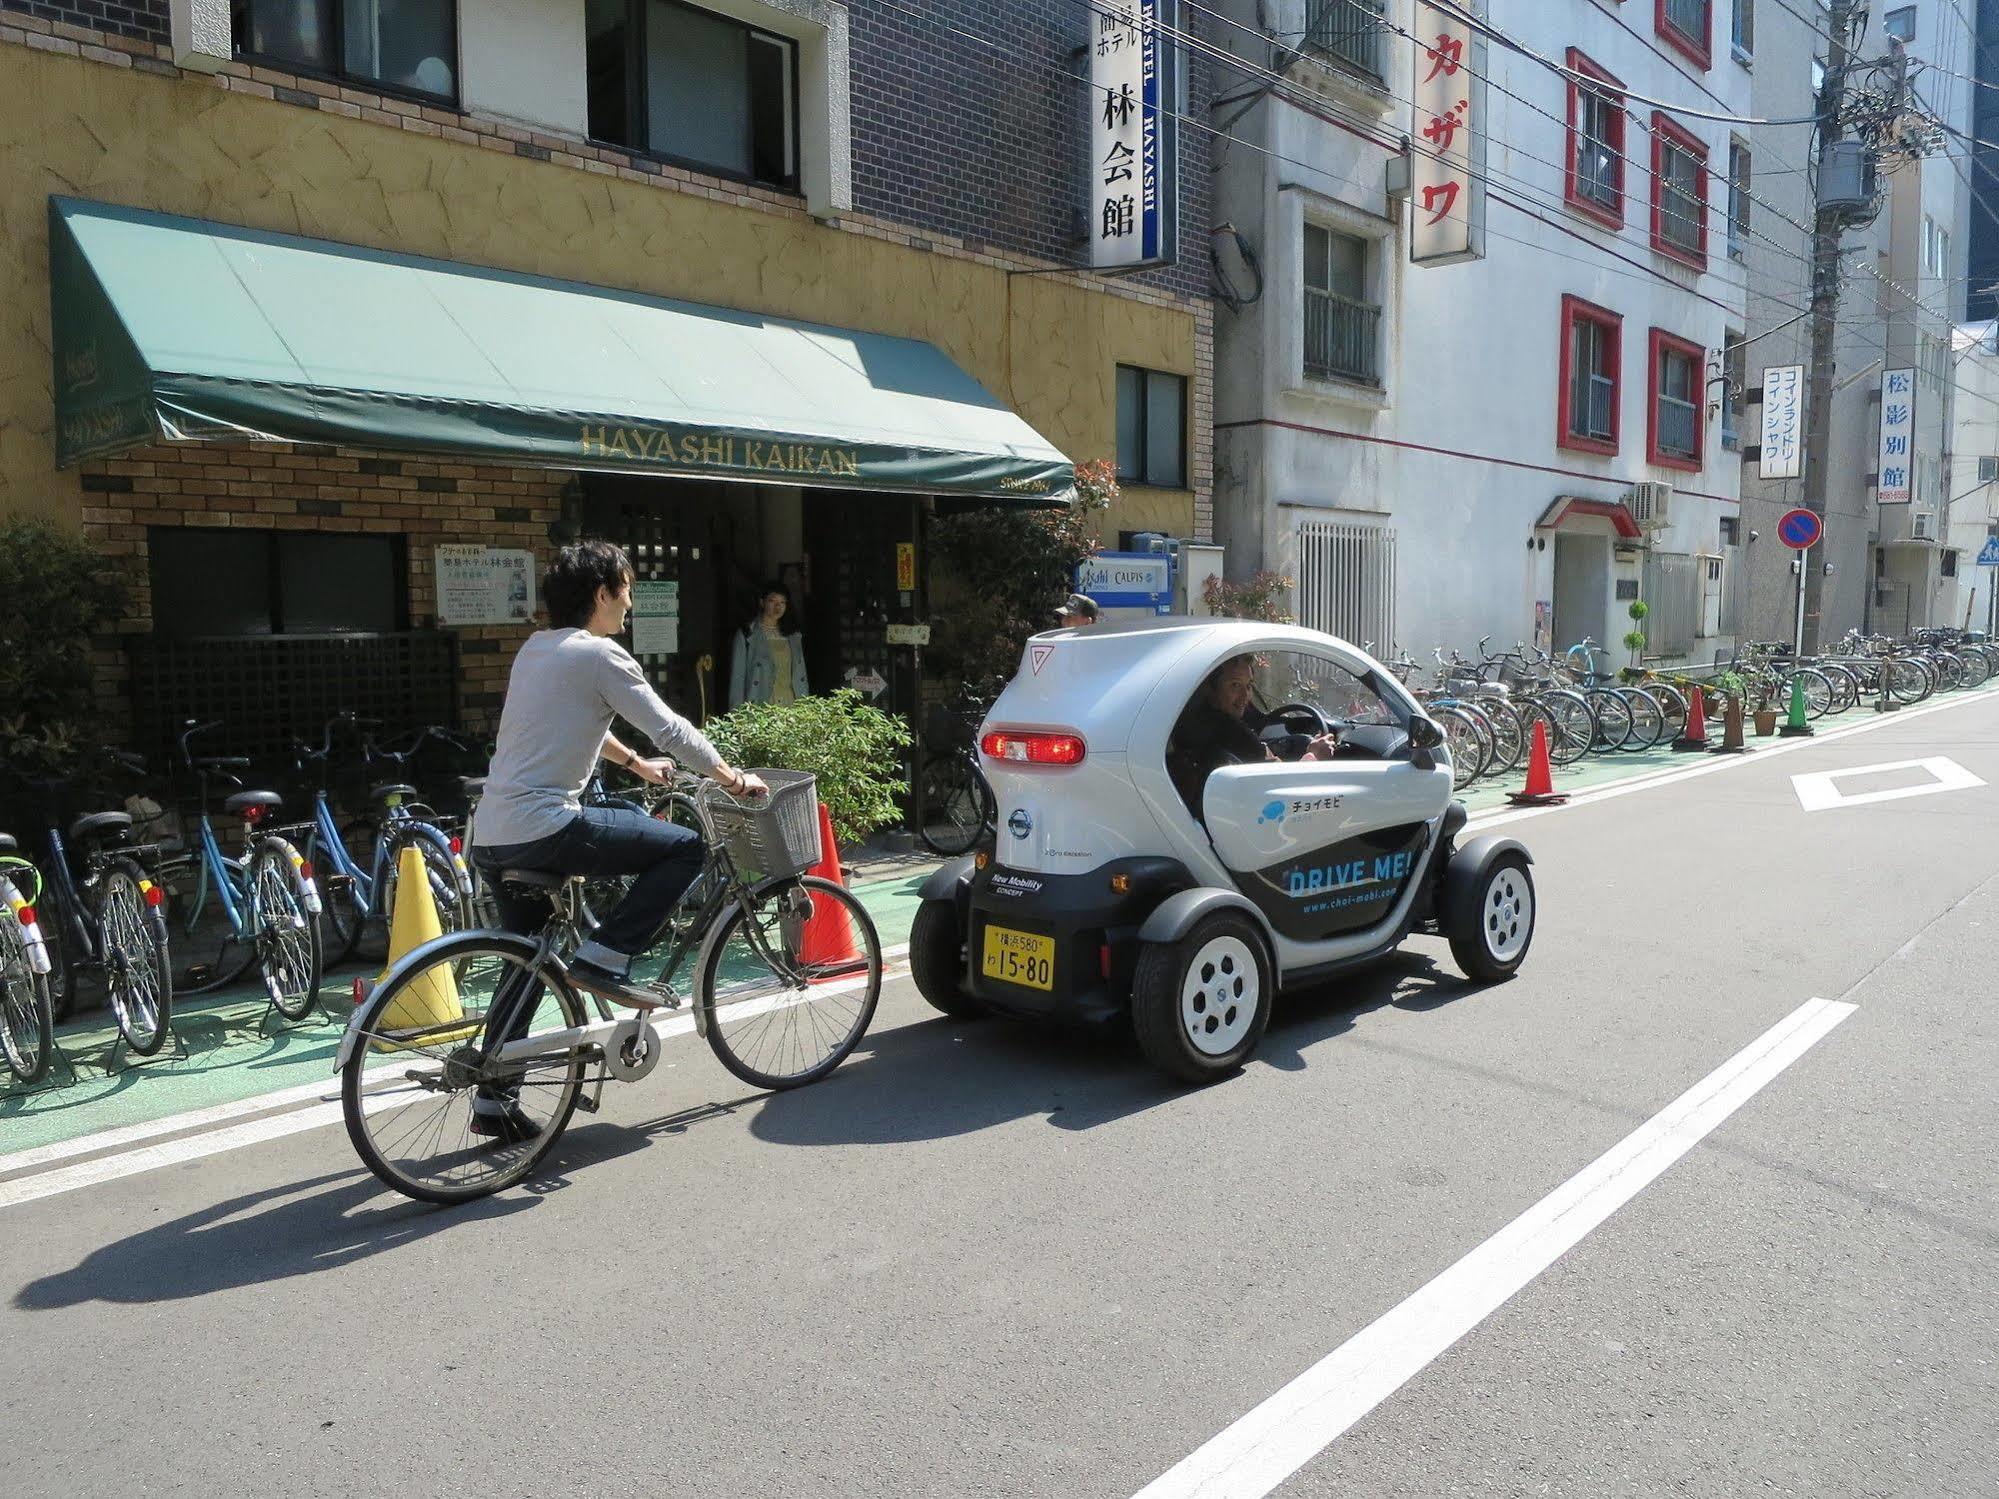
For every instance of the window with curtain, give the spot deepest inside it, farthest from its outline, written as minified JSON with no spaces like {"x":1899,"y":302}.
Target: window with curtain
{"x":402,"y":46}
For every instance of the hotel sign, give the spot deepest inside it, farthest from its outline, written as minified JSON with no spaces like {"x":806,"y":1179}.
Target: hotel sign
{"x":1896,"y":473}
{"x":1132,"y":100}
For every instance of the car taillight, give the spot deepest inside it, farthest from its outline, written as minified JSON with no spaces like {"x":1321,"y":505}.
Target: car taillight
{"x":1033,"y":747}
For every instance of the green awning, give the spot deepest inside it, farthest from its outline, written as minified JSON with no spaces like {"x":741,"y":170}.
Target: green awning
{"x":178,"y":328}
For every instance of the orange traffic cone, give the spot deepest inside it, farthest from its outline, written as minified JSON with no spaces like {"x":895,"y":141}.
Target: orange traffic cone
{"x":1540,"y":788}
{"x":1695,"y":737}
{"x":827,"y":943}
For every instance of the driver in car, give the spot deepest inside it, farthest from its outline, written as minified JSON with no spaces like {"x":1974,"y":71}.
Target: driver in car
{"x":1221,"y":725}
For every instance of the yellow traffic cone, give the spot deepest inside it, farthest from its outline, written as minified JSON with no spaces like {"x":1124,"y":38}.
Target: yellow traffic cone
{"x":433,"y":999}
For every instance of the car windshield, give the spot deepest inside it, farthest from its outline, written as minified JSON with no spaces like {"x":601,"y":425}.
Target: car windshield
{"x":1287,"y":677}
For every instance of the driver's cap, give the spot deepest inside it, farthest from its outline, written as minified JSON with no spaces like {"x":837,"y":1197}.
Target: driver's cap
{"x":1079,"y":603}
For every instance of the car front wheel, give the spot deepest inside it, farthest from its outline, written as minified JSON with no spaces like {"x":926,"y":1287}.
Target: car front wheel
{"x":1494,"y":921}
{"x":1200,"y":1005}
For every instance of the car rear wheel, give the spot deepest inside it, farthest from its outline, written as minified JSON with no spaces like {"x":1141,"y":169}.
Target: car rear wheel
{"x":1200,"y":1005}
{"x":1494,"y":921}
{"x":937,"y":959}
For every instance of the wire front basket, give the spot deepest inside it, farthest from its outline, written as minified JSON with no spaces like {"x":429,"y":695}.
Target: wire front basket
{"x":775,"y":836}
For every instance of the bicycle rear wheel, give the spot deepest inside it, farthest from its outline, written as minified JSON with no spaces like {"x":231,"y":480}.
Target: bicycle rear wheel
{"x":138,"y":976}
{"x":1648,"y":720}
{"x":1672,"y":710}
{"x":1509,"y":734}
{"x":954,"y":805}
{"x":284,"y":928}
{"x":27,"y":1029}
{"x":790,"y":982}
{"x":415,"y":1065}
{"x":1467,"y":745}
{"x":1571,"y":725}
{"x":1613,"y":720}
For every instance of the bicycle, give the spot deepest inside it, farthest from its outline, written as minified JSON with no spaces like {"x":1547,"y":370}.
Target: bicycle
{"x":268,"y":896}
{"x":112,"y":920}
{"x":27,"y":1024}
{"x":354,"y":892}
{"x":958,"y":806}
{"x":779,"y":1004}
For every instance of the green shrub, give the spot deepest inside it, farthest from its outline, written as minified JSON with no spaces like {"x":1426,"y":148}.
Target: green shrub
{"x":54,"y":597}
{"x":855,"y":750}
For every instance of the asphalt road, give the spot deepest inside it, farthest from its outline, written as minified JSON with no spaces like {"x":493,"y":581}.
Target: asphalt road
{"x":984,"y":1260}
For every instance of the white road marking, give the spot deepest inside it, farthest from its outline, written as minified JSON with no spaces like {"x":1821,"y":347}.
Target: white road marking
{"x":1819,"y":789}
{"x":120,"y":1161}
{"x":1262,"y":1449}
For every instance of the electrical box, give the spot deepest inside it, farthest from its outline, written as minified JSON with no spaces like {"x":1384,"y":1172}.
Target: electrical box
{"x":1846,"y":179}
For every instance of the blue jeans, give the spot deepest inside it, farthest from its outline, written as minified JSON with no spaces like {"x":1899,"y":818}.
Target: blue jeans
{"x":604,"y":841}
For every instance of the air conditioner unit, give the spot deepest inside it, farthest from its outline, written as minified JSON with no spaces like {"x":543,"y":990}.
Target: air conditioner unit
{"x":1650,"y":504}
{"x":1923,"y":526}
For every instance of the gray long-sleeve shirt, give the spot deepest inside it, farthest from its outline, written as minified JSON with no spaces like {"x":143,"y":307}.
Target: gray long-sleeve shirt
{"x":565,"y":688}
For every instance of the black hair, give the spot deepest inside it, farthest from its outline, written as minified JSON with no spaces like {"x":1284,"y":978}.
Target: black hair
{"x":787,"y":625}
{"x":570,"y":589}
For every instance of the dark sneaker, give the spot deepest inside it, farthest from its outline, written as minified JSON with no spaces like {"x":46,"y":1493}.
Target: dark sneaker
{"x":621,"y":990}
{"x":504,"y":1123}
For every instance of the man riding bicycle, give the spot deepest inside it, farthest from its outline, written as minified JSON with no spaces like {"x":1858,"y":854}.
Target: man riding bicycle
{"x":567,"y":684}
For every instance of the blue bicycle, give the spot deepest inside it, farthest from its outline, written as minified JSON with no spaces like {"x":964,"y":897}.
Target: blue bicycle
{"x":359,"y":864}
{"x":269,"y":902}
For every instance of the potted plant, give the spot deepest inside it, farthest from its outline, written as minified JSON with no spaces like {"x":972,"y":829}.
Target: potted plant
{"x":1720,"y":689}
{"x":1634,"y":638}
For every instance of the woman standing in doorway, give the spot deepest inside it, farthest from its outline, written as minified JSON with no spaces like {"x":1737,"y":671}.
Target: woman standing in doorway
{"x":768,"y":664}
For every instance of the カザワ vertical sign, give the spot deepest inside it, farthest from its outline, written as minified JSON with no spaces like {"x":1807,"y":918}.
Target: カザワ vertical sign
{"x":1133,"y":102}
{"x":1446,"y":171}
{"x":1895,"y":476}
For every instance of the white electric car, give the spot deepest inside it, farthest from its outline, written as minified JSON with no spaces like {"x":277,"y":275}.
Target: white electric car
{"x":1129,"y":876}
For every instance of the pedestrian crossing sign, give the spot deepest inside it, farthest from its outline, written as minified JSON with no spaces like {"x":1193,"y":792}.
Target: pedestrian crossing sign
{"x":1988,"y":555}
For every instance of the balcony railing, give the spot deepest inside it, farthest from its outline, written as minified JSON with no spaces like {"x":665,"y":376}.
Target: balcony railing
{"x":1676,"y":426}
{"x":1594,"y":398}
{"x":1341,"y":337}
{"x":1348,"y":32}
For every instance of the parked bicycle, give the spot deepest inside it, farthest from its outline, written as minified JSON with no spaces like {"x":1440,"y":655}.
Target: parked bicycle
{"x":786,"y":974}
{"x":958,"y":806}
{"x":268,"y":900}
{"x":27,"y":1025}
{"x":100,"y":907}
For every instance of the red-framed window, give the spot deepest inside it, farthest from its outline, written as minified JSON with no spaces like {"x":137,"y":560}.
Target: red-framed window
{"x":1685,"y":26}
{"x":1679,"y":191}
{"x":1592,"y":369}
{"x":1594,"y":182}
{"x":1675,"y":402}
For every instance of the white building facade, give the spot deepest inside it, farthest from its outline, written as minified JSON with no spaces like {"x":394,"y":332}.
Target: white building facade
{"x":1517,"y":445}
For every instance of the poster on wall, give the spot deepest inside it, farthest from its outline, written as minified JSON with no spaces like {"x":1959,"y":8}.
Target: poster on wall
{"x":480,"y":585}
{"x":655,"y":618}
{"x":1133,"y":102}
{"x":1544,"y":624}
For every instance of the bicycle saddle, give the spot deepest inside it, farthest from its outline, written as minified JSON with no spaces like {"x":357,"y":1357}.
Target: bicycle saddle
{"x":243,"y":801}
{"x":536,"y":879}
{"x":99,"y":825}
{"x":8,"y":844}
{"x":388,"y":789}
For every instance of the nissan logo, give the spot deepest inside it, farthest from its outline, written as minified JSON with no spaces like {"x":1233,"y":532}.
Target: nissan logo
{"x":1020,"y":824}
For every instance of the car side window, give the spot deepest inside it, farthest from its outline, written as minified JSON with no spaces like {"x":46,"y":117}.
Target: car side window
{"x":1285,"y":677}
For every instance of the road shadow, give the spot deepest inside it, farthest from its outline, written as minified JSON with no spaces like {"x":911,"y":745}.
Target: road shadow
{"x":949,"y":1077}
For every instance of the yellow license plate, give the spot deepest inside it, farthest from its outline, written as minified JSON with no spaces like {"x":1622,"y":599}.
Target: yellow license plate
{"x":1019,"y":958}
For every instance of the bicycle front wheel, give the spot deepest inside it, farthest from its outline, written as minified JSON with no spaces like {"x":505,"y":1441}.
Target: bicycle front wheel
{"x":27,"y":1029}
{"x":137,"y":973}
{"x":428,"y":1110}
{"x":1648,"y":720}
{"x":790,"y":982}
{"x":1571,"y":725}
{"x":284,"y":929}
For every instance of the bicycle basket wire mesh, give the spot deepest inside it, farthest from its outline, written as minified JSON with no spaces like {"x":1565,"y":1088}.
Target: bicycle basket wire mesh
{"x":776,"y":836}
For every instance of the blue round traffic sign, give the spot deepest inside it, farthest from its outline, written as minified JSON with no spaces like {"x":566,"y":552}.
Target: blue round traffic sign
{"x":1800,"y":529}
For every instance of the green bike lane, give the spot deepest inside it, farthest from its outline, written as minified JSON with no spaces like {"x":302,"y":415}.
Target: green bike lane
{"x":231,"y":1047}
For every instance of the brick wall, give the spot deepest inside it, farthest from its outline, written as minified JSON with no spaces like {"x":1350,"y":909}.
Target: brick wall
{"x":284,"y":487}
{"x":142,"y":20}
{"x":989,"y":143}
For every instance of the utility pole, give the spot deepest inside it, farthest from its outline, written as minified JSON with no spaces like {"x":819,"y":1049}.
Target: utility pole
{"x":1828,"y":225}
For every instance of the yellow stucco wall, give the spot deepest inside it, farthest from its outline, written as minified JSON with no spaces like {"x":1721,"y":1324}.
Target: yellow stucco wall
{"x":181,"y":145}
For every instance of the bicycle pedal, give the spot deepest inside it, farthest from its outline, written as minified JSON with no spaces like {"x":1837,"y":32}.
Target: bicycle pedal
{"x":587,"y":1103}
